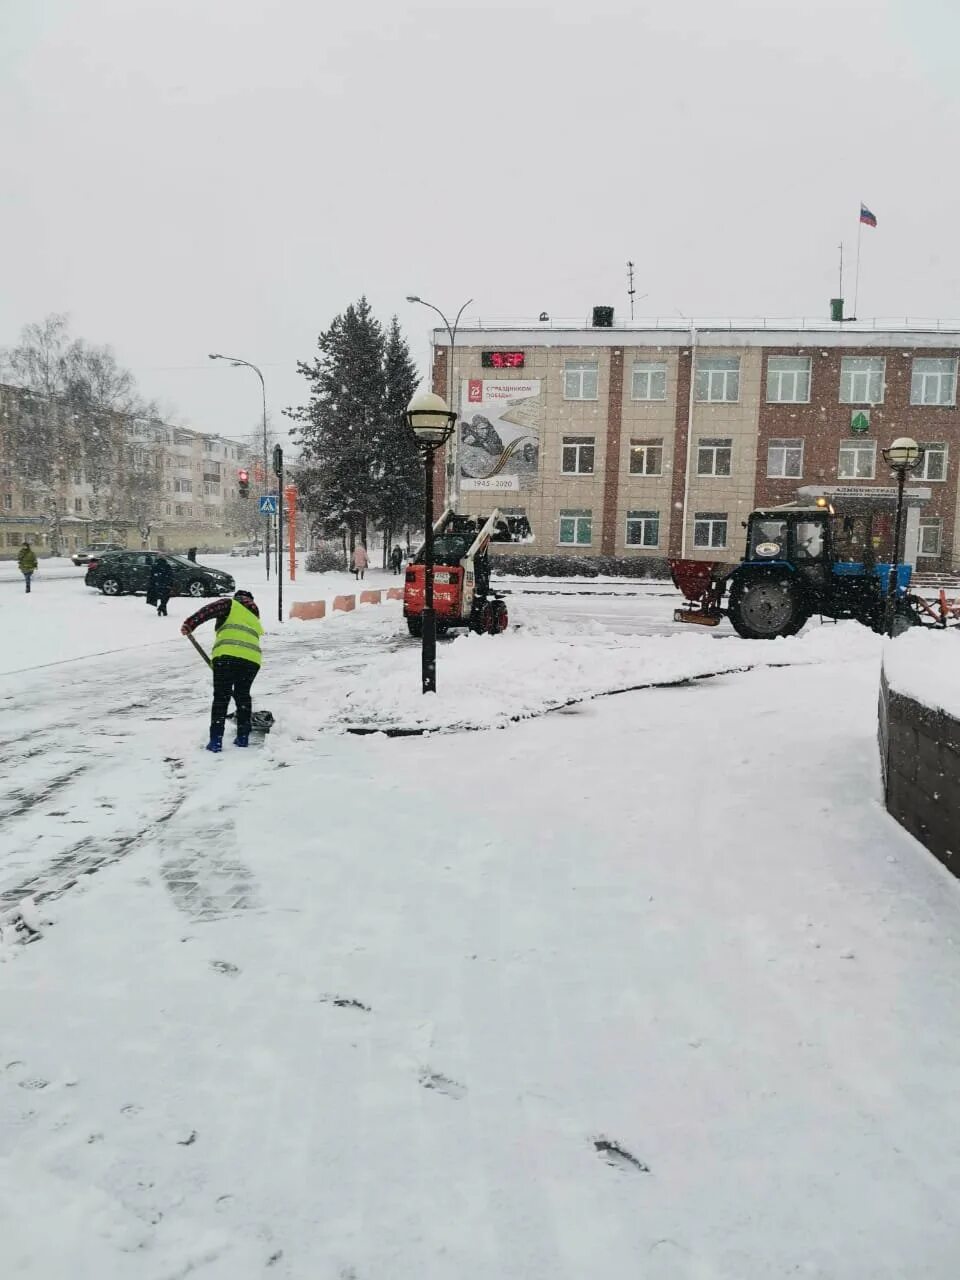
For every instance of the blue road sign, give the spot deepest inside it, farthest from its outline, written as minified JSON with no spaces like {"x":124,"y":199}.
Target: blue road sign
{"x":268,"y":504}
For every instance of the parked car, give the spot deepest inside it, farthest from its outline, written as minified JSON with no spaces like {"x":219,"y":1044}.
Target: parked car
{"x":245,"y":549}
{"x":94,"y":551}
{"x":127,"y":572}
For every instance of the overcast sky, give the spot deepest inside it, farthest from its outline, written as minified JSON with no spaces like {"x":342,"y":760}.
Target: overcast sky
{"x":186,"y":176}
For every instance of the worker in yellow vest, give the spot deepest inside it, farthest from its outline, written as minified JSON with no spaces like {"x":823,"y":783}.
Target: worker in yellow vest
{"x":236,"y":660}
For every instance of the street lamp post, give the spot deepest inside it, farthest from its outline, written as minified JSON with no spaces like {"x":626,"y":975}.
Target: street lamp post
{"x":431,"y":421}
{"x":903,"y":455}
{"x":238,"y":363}
{"x":452,"y":332}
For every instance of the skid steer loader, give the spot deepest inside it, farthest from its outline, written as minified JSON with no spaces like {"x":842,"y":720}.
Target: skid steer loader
{"x":462,"y":595}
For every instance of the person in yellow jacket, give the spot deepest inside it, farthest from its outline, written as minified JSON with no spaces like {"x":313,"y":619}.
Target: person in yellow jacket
{"x":27,"y":563}
{"x":236,"y":661}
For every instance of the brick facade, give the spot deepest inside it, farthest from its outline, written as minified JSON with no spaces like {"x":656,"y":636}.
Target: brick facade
{"x":745,"y":426}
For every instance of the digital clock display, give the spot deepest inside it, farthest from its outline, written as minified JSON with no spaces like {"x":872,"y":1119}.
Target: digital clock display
{"x":501,"y":359}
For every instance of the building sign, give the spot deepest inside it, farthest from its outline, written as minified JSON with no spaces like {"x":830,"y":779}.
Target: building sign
{"x":860,"y":421}
{"x":499,"y":433}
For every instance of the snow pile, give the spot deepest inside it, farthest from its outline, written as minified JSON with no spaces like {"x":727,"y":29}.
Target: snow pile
{"x":489,"y":681}
{"x":924,"y":664}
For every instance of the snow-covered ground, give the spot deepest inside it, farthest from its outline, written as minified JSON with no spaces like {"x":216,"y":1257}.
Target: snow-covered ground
{"x":650,"y":986}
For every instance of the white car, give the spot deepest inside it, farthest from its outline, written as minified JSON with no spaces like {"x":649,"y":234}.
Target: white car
{"x":245,"y":549}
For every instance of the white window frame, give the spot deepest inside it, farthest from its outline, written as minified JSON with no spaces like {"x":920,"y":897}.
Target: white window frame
{"x":930,"y":524}
{"x":577,"y":445}
{"x":717,"y":380}
{"x":783,"y":447}
{"x":644,"y":519}
{"x":581,"y":379}
{"x":642,"y":380}
{"x":711,"y":520}
{"x":936,"y":449}
{"x":944,"y":380}
{"x":870,"y":368}
{"x":643,"y":448}
{"x":857,"y":446}
{"x":783,"y":381}
{"x":576,"y":516}
{"x":714,"y":445}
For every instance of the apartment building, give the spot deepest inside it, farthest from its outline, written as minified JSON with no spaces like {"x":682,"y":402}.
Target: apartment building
{"x":655,"y":440}
{"x":146,"y":482}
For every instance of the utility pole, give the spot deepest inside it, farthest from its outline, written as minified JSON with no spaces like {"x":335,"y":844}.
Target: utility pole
{"x":631,"y":291}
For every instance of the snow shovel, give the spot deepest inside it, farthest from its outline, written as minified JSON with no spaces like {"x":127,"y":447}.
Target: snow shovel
{"x":200,"y":649}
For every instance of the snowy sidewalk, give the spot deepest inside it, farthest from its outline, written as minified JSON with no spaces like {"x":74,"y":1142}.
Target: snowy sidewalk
{"x":364,"y":1008}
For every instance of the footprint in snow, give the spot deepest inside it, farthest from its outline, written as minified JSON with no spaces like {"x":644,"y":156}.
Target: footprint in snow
{"x":442,"y":1084}
{"x":224,"y":966}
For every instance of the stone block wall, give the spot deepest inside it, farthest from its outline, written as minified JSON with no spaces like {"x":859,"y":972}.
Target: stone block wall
{"x":920,"y":759}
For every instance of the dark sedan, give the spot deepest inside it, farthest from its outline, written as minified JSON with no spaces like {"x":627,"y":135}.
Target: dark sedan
{"x":128,"y":572}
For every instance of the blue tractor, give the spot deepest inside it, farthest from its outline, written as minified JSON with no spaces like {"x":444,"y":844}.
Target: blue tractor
{"x":799,"y":561}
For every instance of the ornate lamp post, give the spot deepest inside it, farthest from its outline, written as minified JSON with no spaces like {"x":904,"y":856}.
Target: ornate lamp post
{"x":902,"y":456}
{"x":431,"y":422}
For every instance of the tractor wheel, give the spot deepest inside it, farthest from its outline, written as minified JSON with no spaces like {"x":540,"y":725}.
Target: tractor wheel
{"x":904,"y":620}
{"x":764,"y":606}
{"x":501,"y":619}
{"x":415,"y":626}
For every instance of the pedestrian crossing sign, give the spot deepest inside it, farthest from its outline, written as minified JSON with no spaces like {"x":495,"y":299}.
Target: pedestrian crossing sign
{"x":268,"y":504}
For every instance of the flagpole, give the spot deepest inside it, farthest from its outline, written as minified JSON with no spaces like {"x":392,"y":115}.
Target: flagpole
{"x":856,"y":275}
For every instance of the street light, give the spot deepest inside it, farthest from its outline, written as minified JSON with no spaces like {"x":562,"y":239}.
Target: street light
{"x":238,"y":363}
{"x":902,"y":456}
{"x":431,"y":422}
{"x":452,"y":332}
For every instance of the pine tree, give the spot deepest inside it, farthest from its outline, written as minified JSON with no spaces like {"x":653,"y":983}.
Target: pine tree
{"x":401,"y":497}
{"x":360,"y":465}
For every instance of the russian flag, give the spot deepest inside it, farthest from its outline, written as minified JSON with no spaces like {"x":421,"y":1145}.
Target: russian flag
{"x":866,"y":216}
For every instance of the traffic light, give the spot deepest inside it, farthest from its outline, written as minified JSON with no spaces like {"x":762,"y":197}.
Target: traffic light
{"x":243,"y":483}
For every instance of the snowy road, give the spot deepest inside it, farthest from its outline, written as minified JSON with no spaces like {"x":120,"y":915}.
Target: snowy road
{"x":651,"y":986}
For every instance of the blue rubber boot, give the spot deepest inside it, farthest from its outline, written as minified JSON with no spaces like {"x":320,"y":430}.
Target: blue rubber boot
{"x":215,"y":743}
{"x":242,"y":740}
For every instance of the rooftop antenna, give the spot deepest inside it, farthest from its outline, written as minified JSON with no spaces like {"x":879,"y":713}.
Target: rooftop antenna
{"x":631,"y":291}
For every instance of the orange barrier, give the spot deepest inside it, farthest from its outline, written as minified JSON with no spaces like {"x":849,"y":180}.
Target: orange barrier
{"x":370,"y":597}
{"x":395,"y":593}
{"x":346,"y":603}
{"x":308,"y":609}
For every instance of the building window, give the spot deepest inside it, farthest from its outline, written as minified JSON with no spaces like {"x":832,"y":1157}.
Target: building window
{"x":580,"y":379}
{"x":933,"y":381}
{"x":934,"y":466}
{"x":30,"y":502}
{"x":861,"y":379}
{"x":8,"y":502}
{"x":646,"y":457}
{"x":718,"y":379}
{"x":78,"y":504}
{"x":183,"y":486}
{"x":788,"y":380}
{"x":858,"y":460}
{"x":78,"y":477}
{"x":649,"y":380}
{"x":576,"y":528}
{"x":710,"y":529}
{"x":578,"y":455}
{"x":169,"y":509}
{"x":643,"y":528}
{"x":713,"y":457}
{"x":785,"y":459}
{"x":931,"y":535}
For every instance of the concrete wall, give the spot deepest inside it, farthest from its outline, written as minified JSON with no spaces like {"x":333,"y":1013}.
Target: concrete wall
{"x":920,"y":759}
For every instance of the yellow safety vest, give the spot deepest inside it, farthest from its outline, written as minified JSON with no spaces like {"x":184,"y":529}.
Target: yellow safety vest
{"x":239,"y":636}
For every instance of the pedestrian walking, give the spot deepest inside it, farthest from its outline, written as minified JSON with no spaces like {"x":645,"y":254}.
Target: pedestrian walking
{"x":192,"y":555}
{"x":161,"y":584}
{"x":360,"y":561}
{"x":396,"y":559}
{"x":236,"y":660}
{"x":27,"y":564}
